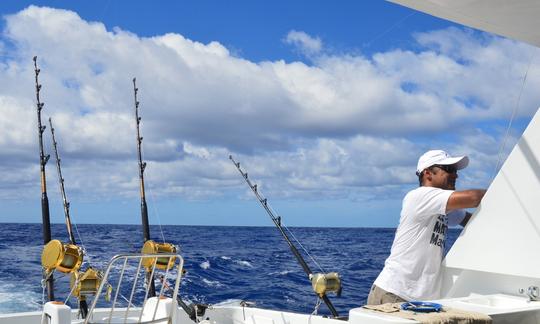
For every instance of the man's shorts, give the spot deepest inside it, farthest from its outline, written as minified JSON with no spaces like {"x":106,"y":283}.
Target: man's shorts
{"x":379,"y":296}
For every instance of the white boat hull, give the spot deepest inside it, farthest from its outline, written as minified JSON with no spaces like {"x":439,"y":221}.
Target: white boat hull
{"x":501,"y":308}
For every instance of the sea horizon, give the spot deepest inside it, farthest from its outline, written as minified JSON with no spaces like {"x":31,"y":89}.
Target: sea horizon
{"x":204,"y":225}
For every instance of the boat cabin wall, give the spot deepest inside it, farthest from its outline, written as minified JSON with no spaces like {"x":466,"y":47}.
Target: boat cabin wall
{"x":462,"y":283}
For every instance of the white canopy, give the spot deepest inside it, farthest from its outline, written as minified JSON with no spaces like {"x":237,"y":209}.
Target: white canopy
{"x":516,"y":19}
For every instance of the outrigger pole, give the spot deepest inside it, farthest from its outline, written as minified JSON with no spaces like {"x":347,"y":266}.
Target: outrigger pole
{"x":277,"y":222}
{"x":49,"y":281}
{"x":142,"y":166}
{"x":62,"y":190}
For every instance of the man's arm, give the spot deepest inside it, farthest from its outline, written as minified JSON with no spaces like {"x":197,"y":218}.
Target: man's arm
{"x":465,"y":199}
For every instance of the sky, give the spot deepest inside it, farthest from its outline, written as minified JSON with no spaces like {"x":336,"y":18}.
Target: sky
{"x":326,"y":105}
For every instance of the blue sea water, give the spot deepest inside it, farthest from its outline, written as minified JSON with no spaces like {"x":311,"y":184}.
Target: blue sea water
{"x":222,"y":263}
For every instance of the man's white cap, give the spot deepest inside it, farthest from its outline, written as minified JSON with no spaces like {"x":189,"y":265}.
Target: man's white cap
{"x":440,"y":157}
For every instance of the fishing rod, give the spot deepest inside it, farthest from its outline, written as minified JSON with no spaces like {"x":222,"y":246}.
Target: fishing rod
{"x":321,"y":283}
{"x":66,"y":258}
{"x":62,"y":188}
{"x":62,"y":257}
{"x":46,"y":221}
{"x":144,"y":207}
{"x":81,"y":283}
{"x":150,"y":246}
{"x":142,"y":166}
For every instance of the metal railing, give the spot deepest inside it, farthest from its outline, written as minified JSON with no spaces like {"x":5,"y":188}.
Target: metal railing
{"x":121,"y":315}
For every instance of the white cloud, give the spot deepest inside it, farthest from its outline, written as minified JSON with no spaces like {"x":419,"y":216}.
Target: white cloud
{"x":304,"y":43}
{"x":346,"y":126}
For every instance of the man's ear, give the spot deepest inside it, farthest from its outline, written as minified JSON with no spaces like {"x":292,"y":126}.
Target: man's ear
{"x":428,"y":173}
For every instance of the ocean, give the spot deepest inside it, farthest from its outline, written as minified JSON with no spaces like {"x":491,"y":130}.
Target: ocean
{"x":223,"y":263}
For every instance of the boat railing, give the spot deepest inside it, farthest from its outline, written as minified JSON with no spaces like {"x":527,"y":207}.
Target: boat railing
{"x":120,"y":277}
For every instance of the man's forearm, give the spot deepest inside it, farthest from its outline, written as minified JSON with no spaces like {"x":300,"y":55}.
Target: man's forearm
{"x":465,"y":199}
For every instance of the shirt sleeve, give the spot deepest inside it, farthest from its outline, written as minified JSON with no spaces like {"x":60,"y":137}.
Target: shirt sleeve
{"x":455,"y":217}
{"x":430,"y":201}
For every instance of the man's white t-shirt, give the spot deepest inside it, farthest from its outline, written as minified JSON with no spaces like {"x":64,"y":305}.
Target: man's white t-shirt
{"x":412,"y":269}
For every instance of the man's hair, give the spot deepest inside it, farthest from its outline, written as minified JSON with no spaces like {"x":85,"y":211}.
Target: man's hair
{"x":421,"y":175}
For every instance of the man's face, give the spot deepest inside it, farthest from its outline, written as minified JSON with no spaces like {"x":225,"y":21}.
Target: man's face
{"x":443,"y":176}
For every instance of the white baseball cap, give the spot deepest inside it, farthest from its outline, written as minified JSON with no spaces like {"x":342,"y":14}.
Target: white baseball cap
{"x":440,"y":157}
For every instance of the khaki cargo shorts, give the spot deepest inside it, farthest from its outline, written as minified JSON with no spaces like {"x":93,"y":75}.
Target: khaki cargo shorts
{"x":379,"y":296}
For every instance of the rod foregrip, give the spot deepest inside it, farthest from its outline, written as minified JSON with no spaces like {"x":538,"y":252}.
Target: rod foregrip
{"x":45,"y":218}
{"x":49,"y":280}
{"x":144,"y":220}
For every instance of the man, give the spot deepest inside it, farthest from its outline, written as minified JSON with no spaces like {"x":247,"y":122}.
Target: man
{"x":411,"y":272}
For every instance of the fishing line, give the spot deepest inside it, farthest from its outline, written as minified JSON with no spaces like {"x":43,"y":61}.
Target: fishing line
{"x":44,"y":286}
{"x":104,"y":11}
{"x":317,"y":306}
{"x":154,"y":203}
{"x":156,"y":211}
{"x":85,"y":252}
{"x":65,"y":200}
{"x":71,"y":291}
{"x":377,"y":37}
{"x":512,"y":117}
{"x":304,"y":249}
{"x":297,"y":241}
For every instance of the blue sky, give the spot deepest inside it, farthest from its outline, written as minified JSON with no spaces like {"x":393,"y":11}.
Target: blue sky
{"x":326,"y":105}
{"x":255,"y":28}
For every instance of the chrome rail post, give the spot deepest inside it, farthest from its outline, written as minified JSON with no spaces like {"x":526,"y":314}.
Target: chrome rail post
{"x":178,"y":264}
{"x":133,"y":288}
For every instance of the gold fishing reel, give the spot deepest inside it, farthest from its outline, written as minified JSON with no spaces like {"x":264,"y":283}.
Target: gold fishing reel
{"x":63,"y":257}
{"x":323,"y":283}
{"x":164,"y":263}
{"x":85,"y":283}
